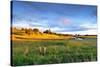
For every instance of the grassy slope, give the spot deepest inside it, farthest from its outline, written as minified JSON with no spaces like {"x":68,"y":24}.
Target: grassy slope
{"x":58,"y":51}
{"x":24,"y":36}
{"x":18,"y":34}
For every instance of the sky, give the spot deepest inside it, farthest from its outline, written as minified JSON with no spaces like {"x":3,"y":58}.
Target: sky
{"x":59,"y":18}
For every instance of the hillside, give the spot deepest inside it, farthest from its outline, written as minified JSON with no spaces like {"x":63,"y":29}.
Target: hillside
{"x":29,"y":34}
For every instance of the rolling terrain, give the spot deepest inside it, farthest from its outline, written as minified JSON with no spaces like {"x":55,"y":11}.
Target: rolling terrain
{"x":33,"y":48}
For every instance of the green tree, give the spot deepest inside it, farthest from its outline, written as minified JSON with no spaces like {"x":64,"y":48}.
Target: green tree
{"x":47,"y":31}
{"x":36,"y":31}
{"x":28,"y":31}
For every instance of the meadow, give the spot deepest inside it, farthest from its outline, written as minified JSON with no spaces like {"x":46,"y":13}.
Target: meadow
{"x":52,"y":33}
{"x":37,"y":52}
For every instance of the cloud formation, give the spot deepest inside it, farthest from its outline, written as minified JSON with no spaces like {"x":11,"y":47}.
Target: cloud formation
{"x":61,"y":18}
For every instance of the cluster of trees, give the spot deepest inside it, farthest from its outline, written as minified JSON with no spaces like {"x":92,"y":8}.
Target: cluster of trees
{"x":30,"y":31}
{"x":37,"y":31}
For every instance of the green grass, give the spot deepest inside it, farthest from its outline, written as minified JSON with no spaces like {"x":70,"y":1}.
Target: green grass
{"x":57,"y":51}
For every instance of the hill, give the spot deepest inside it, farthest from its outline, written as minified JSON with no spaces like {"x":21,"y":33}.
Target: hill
{"x":35,"y":34}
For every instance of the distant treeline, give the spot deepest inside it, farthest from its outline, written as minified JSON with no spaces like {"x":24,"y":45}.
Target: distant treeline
{"x":36,"y":31}
{"x":30,"y":31}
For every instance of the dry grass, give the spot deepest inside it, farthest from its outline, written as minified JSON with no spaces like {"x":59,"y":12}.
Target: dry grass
{"x":39,"y":36}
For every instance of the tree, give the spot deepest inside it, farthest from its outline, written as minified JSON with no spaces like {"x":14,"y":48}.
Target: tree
{"x":28,"y":31}
{"x":22,"y":29}
{"x":36,"y":31}
{"x":47,"y":31}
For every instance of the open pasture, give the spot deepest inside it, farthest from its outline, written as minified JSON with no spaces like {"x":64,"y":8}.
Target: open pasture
{"x":53,"y":51}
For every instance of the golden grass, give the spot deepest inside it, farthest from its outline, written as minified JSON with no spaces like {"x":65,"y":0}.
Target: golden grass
{"x":20,"y":35}
{"x":37,"y":36}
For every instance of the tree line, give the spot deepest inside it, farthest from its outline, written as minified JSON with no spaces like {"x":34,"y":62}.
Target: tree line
{"x":30,"y":31}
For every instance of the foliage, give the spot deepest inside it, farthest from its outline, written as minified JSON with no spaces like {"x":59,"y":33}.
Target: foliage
{"x":58,"y":51}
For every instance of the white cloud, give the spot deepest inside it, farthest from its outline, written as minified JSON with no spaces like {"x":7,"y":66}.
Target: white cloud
{"x":91,"y":26}
{"x":57,"y":29}
{"x":20,"y":24}
{"x":89,"y":32}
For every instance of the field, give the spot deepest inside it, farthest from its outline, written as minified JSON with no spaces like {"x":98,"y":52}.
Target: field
{"x":52,"y":33}
{"x":36,"y":52}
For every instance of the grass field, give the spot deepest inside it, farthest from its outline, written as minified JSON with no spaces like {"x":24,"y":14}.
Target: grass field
{"x":52,"y":33}
{"x":53,"y":51}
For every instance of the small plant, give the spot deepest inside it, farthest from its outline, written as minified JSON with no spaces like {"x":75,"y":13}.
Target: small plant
{"x":42,"y":50}
{"x":26,"y":51}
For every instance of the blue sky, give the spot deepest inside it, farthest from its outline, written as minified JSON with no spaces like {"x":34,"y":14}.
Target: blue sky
{"x":60,"y":18}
